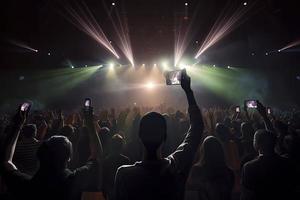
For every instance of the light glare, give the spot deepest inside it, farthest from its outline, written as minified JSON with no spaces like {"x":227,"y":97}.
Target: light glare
{"x":150,"y":85}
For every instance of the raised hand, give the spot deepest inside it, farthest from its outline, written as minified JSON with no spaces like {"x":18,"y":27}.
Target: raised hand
{"x":20,"y":117}
{"x":185,"y":81}
{"x":261,"y":109}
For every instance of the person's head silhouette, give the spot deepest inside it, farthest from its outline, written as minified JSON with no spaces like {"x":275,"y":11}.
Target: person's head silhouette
{"x":264,"y":141}
{"x":153,"y":129}
{"x":55,"y":153}
{"x":212,"y":153}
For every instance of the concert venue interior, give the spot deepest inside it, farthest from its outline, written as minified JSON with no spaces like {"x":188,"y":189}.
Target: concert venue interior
{"x":55,"y":51}
{"x":150,"y":99}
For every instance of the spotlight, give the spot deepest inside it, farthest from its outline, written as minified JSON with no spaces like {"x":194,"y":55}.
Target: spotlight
{"x":49,"y":53}
{"x":182,"y":65}
{"x":143,"y":65}
{"x":113,"y":3}
{"x":279,"y":50}
{"x":245,"y":3}
{"x":186,"y":4}
{"x":197,"y":41}
{"x":252,"y":54}
{"x":266,"y":53}
{"x":154,"y":65}
{"x":214,"y":65}
{"x":36,"y":50}
{"x":85,"y":65}
{"x":164,"y":65}
{"x":228,"y":67}
{"x":72,"y":67}
{"x":111,"y":65}
{"x":150,"y":85}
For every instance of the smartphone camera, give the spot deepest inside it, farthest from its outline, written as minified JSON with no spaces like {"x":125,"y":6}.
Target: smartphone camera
{"x":25,"y":106}
{"x":87,"y":103}
{"x":251,"y":104}
{"x":269,"y":111}
{"x":173,"y":77}
{"x":237,"y":109}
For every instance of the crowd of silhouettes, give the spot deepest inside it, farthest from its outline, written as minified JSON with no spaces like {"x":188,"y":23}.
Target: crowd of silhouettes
{"x":151,"y":153}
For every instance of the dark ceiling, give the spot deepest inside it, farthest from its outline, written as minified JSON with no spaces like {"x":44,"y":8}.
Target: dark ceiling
{"x":40,"y":24}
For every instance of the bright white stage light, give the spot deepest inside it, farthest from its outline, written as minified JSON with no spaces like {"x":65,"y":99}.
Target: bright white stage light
{"x":164,"y":65}
{"x":150,"y":85}
{"x":182,"y":65}
{"x":111,"y":65}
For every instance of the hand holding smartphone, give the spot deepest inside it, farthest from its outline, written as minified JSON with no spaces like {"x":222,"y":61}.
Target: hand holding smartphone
{"x":88,"y":110}
{"x":269,"y":110}
{"x":87,"y":103}
{"x":173,"y":77}
{"x":25,"y":107}
{"x":237,"y":109}
{"x":251,"y":103}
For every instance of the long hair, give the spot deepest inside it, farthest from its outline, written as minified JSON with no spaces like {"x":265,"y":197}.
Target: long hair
{"x":211,"y":153}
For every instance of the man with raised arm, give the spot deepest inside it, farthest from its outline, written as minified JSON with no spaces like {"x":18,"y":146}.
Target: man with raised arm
{"x":53,"y":179}
{"x":155,"y":177}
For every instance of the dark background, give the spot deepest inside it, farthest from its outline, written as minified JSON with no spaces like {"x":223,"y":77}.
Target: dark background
{"x":38,"y":23}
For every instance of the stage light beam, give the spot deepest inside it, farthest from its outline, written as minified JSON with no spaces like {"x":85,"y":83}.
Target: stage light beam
{"x":85,"y":21}
{"x":224,"y":25}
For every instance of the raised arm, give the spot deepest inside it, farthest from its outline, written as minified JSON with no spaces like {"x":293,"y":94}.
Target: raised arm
{"x":246,"y":113}
{"x":184,"y":154}
{"x":12,"y":138}
{"x":263,"y":112}
{"x":94,"y":141}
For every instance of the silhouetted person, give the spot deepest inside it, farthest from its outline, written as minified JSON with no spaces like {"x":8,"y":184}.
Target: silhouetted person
{"x":229,"y":145}
{"x":111,"y":163}
{"x":25,"y":154}
{"x":269,"y":175}
{"x":156,"y":177}
{"x":247,"y":150}
{"x":53,"y":180}
{"x":210,"y":178}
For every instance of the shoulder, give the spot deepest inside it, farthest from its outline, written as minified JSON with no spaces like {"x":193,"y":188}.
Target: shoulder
{"x":252,"y":163}
{"x":125,"y":169}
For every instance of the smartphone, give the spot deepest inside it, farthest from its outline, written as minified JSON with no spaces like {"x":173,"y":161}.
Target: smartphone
{"x":237,"y":109}
{"x":87,"y":103}
{"x":251,"y":103}
{"x":25,"y":107}
{"x":269,"y":110}
{"x":173,"y":77}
